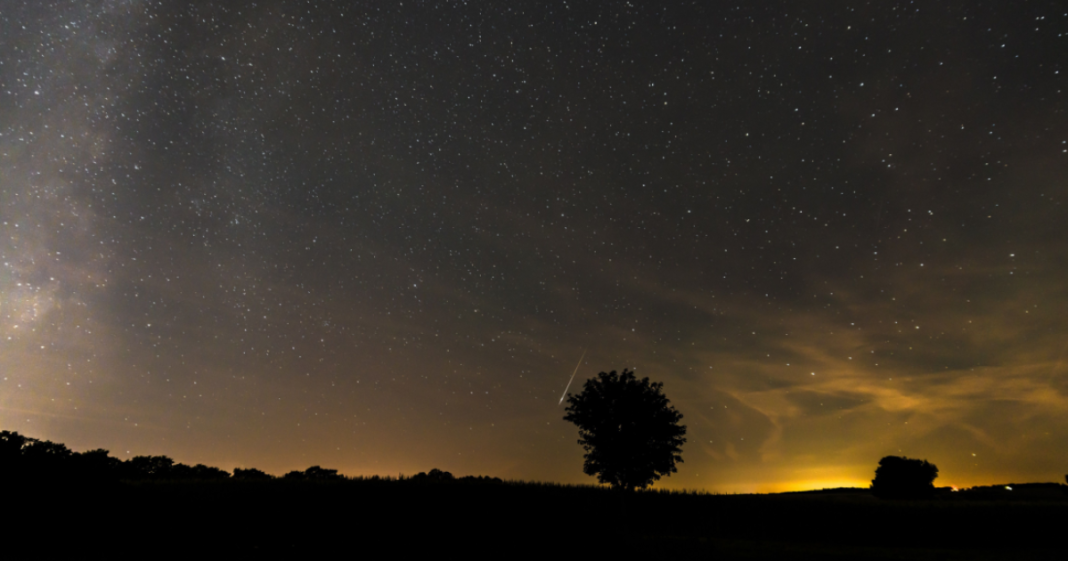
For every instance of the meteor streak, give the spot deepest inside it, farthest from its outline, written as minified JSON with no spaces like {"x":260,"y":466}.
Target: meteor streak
{"x":572,"y":377}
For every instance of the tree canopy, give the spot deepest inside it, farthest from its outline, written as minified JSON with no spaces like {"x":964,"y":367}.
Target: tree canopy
{"x":629,"y":430}
{"x":29,"y":458}
{"x":314,"y":473}
{"x":904,"y":478}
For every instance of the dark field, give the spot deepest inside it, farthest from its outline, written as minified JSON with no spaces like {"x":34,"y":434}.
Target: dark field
{"x":381,"y":518}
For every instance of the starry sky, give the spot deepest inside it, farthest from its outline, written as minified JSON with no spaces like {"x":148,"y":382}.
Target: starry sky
{"x":378,"y":236}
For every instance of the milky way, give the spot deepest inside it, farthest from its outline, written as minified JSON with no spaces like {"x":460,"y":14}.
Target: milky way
{"x":375,"y":236}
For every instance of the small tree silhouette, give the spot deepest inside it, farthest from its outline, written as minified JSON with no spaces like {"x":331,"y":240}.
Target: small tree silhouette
{"x":322,"y":474}
{"x":199,"y":471}
{"x":12,"y":464}
{"x":314,"y":473}
{"x":148,"y":467}
{"x":251,"y":473}
{"x":435,"y":476}
{"x":46,"y":460}
{"x":904,"y":478}
{"x":630,"y":432}
{"x":11,"y":444}
{"x":96,"y":466}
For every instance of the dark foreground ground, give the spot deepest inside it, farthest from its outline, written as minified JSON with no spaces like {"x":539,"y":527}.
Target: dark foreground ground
{"x":382,"y":519}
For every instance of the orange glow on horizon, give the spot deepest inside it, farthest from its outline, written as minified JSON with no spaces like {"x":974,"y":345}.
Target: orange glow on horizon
{"x":812,"y":485}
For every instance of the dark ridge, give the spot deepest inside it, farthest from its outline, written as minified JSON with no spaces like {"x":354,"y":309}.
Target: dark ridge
{"x":321,"y":513}
{"x":835,"y":490}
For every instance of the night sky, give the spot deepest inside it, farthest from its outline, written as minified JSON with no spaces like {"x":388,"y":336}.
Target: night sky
{"x":378,"y":236}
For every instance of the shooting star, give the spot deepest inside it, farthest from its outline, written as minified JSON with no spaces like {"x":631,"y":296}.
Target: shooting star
{"x":572,"y":377}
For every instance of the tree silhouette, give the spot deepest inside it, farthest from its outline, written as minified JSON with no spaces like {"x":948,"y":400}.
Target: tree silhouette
{"x":44,"y":459}
{"x":321,"y":473}
{"x":251,"y":473}
{"x":435,"y":476}
{"x":11,"y":461}
{"x":314,"y":473}
{"x":630,"y":432}
{"x":11,"y":444}
{"x":904,"y":478}
{"x":199,"y":471}
{"x":22,"y":457}
{"x":96,"y":466}
{"x":147,"y":467}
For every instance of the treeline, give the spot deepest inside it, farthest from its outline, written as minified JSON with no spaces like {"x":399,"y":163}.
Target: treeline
{"x":28,"y":458}
{"x":438,"y":476}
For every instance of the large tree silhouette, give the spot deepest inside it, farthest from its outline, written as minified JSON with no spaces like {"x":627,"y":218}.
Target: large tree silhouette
{"x":630,"y":432}
{"x":904,"y":478}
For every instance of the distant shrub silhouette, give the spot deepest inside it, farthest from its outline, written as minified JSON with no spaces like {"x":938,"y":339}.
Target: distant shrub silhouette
{"x":435,"y":476}
{"x":143,"y":468}
{"x":904,"y":478}
{"x":45,"y":452}
{"x":11,"y":462}
{"x":96,"y":466}
{"x":480,"y":479}
{"x":199,"y":471}
{"x":11,"y":444}
{"x":251,"y":473}
{"x":438,"y":476}
{"x":46,"y":460}
{"x":314,"y":473}
{"x":147,"y":467}
{"x":629,"y":430}
{"x":25,"y":457}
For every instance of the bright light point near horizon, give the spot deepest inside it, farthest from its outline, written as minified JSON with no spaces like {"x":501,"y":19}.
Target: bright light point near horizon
{"x":380,"y":248}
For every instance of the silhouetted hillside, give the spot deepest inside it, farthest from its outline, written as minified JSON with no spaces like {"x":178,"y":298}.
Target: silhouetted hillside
{"x":1016,"y":492}
{"x":323,"y":513}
